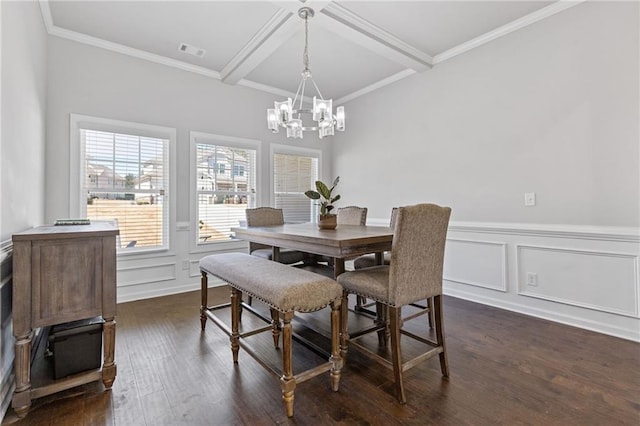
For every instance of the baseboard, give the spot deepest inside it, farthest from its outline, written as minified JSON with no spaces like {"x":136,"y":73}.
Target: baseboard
{"x":628,"y":333}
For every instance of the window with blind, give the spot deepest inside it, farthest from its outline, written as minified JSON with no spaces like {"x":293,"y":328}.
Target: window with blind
{"x":225,"y":181}
{"x":292,"y":176}
{"x":125,"y":178}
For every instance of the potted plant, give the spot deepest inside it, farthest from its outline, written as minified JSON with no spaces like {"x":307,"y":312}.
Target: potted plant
{"x":326,"y":220}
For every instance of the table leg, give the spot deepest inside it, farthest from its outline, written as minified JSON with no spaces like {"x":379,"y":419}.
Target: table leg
{"x":338,"y":266}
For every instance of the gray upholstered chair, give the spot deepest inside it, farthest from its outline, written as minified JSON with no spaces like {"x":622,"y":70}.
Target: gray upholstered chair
{"x":268,"y":216}
{"x":352,"y":215}
{"x":368,"y":260}
{"x":414,"y":274}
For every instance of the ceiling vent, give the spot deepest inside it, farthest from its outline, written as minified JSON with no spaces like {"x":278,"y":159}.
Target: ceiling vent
{"x":192,"y":50}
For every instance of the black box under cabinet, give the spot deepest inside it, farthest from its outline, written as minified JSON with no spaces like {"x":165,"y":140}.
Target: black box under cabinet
{"x":76,"y":346}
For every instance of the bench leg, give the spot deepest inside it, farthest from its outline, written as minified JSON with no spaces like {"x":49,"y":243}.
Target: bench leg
{"x":335,"y":359}
{"x":287,"y":381}
{"x":203,"y":300}
{"x":235,"y":316}
{"x":344,"y":319}
{"x":275,"y":327}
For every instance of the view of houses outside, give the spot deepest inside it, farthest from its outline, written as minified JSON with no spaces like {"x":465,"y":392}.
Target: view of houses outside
{"x":125,"y":181}
{"x":226,"y":185}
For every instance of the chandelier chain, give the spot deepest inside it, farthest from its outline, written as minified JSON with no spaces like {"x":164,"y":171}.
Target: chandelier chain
{"x":305,"y":55}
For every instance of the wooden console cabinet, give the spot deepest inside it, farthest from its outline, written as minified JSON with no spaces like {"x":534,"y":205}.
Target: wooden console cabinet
{"x":61,"y":274}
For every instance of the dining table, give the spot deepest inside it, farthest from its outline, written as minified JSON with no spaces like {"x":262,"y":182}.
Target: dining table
{"x":342,"y":243}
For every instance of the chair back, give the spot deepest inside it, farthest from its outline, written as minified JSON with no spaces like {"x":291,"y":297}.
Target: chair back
{"x":417,"y":254}
{"x":394,"y":213}
{"x":263,"y":216}
{"x":352,"y":215}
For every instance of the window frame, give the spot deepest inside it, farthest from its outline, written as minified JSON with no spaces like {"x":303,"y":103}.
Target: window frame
{"x":196,"y":138}
{"x":79,"y":122}
{"x":290,"y":150}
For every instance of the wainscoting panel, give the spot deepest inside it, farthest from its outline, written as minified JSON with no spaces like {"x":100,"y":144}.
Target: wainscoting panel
{"x":146,"y":273}
{"x":590,"y":279}
{"x":584,"y":276}
{"x":477,"y":263}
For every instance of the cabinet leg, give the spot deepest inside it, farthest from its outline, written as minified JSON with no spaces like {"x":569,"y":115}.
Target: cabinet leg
{"x":21,"y":402}
{"x":109,"y":366}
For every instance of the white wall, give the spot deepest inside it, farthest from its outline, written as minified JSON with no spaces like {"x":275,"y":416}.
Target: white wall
{"x":23,"y":89}
{"x":24,"y":60}
{"x":551,"y":109}
{"x":96,"y":82}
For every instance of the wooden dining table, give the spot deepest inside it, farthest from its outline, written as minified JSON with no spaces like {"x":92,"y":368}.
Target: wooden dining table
{"x":344,"y":242}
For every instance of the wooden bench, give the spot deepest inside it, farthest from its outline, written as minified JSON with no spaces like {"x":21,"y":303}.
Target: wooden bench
{"x":285,"y":290}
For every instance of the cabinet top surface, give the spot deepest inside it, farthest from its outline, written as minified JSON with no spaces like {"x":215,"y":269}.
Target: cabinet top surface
{"x":95,"y":229}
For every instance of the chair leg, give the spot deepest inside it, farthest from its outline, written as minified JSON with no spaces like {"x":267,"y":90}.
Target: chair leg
{"x":439,"y":320}
{"x":396,"y":352}
{"x":431,"y":314}
{"x":382,"y":319}
{"x":204,"y":288}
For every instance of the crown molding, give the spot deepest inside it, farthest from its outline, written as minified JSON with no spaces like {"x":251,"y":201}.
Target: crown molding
{"x":516,"y":25}
{"x":333,"y":17}
{"x":375,"y":86}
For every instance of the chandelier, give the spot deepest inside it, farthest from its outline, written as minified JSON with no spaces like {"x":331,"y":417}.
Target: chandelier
{"x":288,"y":114}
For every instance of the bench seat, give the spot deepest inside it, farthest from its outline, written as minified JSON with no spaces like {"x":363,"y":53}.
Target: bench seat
{"x":285,"y":290}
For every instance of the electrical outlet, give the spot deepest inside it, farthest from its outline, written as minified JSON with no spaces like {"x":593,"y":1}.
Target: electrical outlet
{"x":532,"y":279}
{"x":185,"y":265}
{"x":529,"y":199}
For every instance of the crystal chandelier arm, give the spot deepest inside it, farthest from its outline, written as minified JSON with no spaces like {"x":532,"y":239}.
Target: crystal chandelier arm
{"x":317,"y":90}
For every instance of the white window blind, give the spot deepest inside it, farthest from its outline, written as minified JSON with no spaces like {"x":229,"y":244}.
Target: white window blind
{"x":126,"y":178}
{"x":293,"y":175}
{"x":226,"y":187}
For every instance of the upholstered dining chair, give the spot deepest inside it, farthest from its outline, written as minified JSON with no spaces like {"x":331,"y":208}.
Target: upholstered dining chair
{"x":352,"y":215}
{"x":268,"y":216}
{"x":414,"y":274}
{"x":368,"y":260}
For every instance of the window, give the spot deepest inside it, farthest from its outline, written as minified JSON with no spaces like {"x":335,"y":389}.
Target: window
{"x":123,"y":176}
{"x":292,"y":176}
{"x":223,"y":192}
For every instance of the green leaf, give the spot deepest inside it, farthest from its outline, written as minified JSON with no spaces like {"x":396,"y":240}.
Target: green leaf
{"x":323,"y":190}
{"x":336,"y":198}
{"x":312,"y":194}
{"x":335,"y":182}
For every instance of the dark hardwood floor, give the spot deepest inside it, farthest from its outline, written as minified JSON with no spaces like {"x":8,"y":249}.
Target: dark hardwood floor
{"x":506,"y":369}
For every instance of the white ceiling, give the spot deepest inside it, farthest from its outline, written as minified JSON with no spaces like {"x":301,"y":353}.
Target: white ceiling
{"x":354,"y":46}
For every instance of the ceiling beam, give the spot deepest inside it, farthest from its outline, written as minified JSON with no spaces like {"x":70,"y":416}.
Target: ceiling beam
{"x":280,"y":27}
{"x":353,"y":27}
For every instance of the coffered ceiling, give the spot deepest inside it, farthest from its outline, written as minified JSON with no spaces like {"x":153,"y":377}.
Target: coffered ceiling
{"x":354,"y":46}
